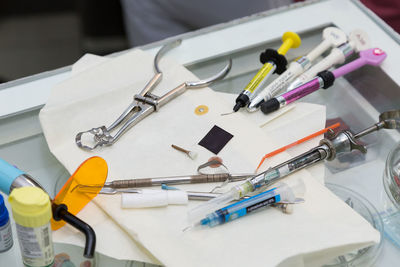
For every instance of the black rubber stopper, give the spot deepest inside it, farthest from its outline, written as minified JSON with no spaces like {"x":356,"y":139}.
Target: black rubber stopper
{"x":328,"y":78}
{"x":272,"y":55}
{"x":241,"y":101}
{"x":270,"y":106}
{"x":58,"y":211}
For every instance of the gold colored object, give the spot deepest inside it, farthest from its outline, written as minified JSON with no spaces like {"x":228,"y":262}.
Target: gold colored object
{"x":201,"y":110}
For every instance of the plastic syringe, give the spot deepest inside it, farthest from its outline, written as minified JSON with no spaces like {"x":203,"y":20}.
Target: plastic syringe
{"x":332,"y":37}
{"x":281,"y":193}
{"x":274,"y":62}
{"x":324,"y":79}
{"x":358,"y":40}
{"x":265,"y":178}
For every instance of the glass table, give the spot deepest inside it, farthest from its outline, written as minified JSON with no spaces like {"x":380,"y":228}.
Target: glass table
{"x":357,"y":99}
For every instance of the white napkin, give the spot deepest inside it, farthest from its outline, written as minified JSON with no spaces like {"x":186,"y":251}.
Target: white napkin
{"x":97,"y":95}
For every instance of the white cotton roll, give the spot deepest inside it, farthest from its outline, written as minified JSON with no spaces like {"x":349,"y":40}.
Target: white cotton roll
{"x":144,"y":200}
{"x":153,"y":198}
{"x":177,"y":197}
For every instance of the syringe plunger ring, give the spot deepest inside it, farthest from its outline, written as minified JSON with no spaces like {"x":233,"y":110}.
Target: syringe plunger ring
{"x":278,"y":59}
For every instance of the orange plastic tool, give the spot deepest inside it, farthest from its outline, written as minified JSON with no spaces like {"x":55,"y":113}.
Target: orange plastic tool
{"x":92,"y":171}
{"x":279,"y":150}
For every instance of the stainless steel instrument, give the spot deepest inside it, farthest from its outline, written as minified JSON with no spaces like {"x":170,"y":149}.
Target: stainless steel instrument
{"x":143,"y":105}
{"x":192,"y":195}
{"x":173,"y":180}
{"x":329,"y":148}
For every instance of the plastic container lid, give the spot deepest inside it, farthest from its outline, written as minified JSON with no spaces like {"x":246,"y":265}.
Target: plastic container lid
{"x":4,"y":217}
{"x":30,"y":206}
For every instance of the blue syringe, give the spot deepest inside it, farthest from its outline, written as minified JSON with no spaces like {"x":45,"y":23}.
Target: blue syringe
{"x":281,"y":194}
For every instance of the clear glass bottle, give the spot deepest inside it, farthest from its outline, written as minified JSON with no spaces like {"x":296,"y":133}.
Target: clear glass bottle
{"x":391,"y":200}
{"x":366,"y":256}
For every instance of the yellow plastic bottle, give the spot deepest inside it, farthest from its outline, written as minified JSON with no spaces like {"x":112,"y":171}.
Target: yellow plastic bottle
{"x":31,"y":210}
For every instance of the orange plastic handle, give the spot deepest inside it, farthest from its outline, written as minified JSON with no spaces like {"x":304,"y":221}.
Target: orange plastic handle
{"x":304,"y":139}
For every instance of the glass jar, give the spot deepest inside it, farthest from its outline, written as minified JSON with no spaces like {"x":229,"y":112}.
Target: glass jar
{"x":391,"y":200}
{"x":366,"y":256}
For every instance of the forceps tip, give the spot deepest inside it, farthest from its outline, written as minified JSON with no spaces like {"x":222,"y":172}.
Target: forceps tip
{"x":100,"y":137}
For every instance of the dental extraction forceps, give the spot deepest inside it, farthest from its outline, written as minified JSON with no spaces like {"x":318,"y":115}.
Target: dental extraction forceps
{"x":144,"y":104}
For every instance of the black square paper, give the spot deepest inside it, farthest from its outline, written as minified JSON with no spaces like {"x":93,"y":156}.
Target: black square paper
{"x":215,"y":139}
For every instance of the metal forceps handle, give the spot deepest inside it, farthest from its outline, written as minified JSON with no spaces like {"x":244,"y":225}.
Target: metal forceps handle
{"x":180,"y":89}
{"x":146,"y":104}
{"x":101,"y":135}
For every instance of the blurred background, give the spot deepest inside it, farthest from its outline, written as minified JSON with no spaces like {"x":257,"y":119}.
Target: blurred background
{"x":41,"y":35}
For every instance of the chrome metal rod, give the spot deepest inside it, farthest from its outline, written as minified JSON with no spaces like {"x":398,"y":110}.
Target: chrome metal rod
{"x":373,"y":128}
{"x":174,"y":180}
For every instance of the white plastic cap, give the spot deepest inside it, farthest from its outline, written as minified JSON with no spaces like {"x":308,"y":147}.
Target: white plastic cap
{"x":359,"y":40}
{"x":288,"y":208}
{"x":153,"y":198}
{"x":192,"y":155}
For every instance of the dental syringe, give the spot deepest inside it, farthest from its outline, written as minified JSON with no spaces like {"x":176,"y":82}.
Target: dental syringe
{"x":358,"y":40}
{"x":273,"y":62}
{"x":263,"y":179}
{"x":345,"y":141}
{"x":332,"y":37}
{"x":324,"y":79}
{"x":279,"y":194}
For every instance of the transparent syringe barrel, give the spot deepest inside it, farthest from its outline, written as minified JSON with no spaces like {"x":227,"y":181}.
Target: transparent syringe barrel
{"x":239,"y":209}
{"x":275,"y":195}
{"x":265,"y":178}
{"x":221,"y":201}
